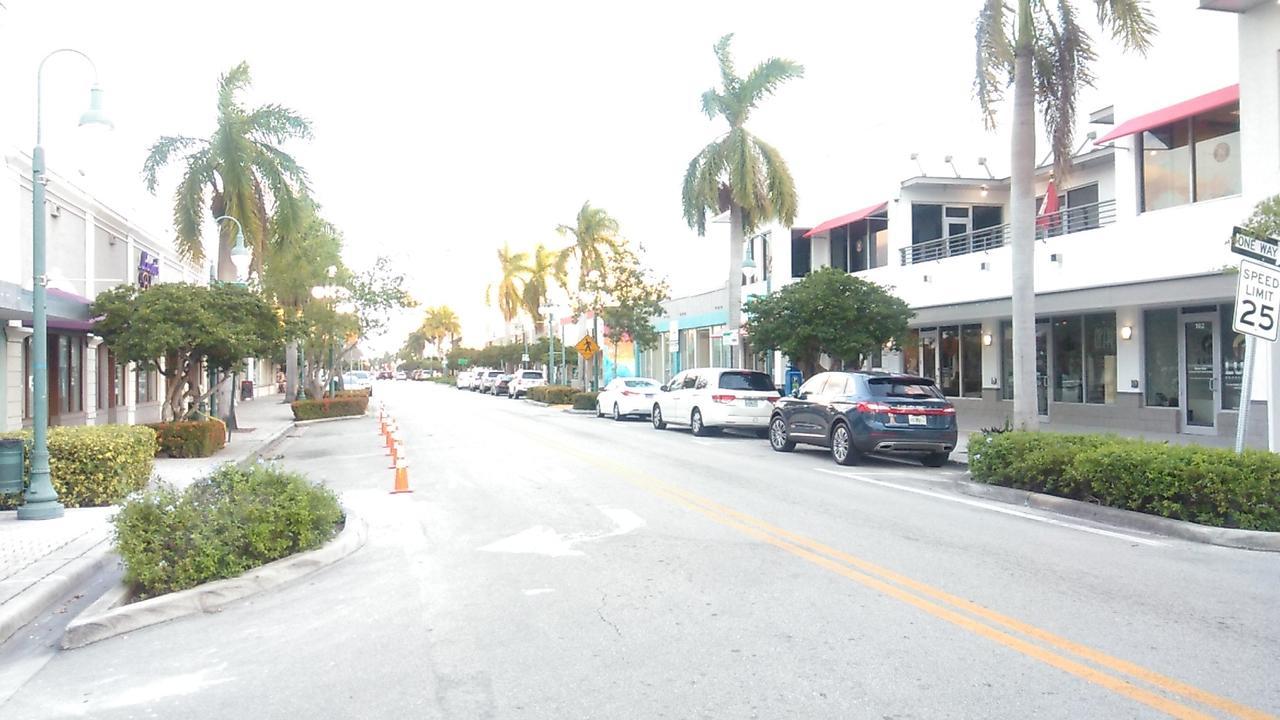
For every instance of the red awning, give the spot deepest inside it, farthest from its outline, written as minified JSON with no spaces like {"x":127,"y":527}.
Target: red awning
{"x":1174,"y":113}
{"x":849,"y":219}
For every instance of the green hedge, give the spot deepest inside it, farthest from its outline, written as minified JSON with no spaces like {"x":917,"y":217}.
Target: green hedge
{"x":93,"y":465}
{"x":552,"y":394}
{"x":1210,"y":486}
{"x":190,"y":438}
{"x":220,"y":527}
{"x":584,"y":401}
{"x":442,"y":380}
{"x":341,"y":406}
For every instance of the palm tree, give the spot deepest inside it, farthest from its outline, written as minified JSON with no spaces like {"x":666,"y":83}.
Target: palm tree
{"x":440,"y":323}
{"x":543,"y":273}
{"x":241,"y":167}
{"x":508,"y":292}
{"x":595,"y":238}
{"x":1040,"y":48}
{"x":739,"y":172}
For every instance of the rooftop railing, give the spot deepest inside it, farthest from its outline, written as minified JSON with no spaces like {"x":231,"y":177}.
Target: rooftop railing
{"x":1063,"y":222}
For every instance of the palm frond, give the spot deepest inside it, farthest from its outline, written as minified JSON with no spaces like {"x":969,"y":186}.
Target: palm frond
{"x":276,"y":124}
{"x":188,"y":211}
{"x":161,"y":152}
{"x":230,"y":83}
{"x":781,"y":187}
{"x":1062,"y":65}
{"x":994,"y":57}
{"x":728,"y":77}
{"x":766,"y":77}
{"x":1130,"y":22}
{"x":713,"y":104}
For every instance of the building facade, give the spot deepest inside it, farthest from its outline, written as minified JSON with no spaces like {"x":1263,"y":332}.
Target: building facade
{"x":90,"y":248}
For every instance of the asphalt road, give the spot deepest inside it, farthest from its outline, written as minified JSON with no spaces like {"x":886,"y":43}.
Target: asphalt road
{"x":551,"y":565}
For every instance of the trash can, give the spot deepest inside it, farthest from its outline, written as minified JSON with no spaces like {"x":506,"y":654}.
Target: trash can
{"x":246,"y":389}
{"x":11,"y":467}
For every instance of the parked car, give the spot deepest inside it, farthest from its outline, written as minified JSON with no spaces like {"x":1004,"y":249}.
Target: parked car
{"x":419,"y":375}
{"x":358,"y":380}
{"x":501,"y":385}
{"x":384,"y":374}
{"x":624,"y":397}
{"x":490,"y":377}
{"x":463,"y":380}
{"x":525,"y":379}
{"x":710,"y":399}
{"x":477,"y":378}
{"x":401,"y":375}
{"x":854,"y":413}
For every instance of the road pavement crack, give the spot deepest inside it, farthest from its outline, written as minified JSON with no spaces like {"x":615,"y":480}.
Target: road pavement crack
{"x":600,"y":613}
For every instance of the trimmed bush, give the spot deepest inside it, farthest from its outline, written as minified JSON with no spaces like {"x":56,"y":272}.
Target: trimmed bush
{"x":93,"y":465}
{"x":349,"y":394}
{"x":584,"y":401}
{"x":1210,"y":486}
{"x":553,"y":394}
{"x":341,"y":406}
{"x":190,"y":438}
{"x":442,"y":380}
{"x":221,"y":526}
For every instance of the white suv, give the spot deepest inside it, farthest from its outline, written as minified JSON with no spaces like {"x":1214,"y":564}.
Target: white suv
{"x":522,"y":380}
{"x":463,"y":381}
{"x":708,"y":399}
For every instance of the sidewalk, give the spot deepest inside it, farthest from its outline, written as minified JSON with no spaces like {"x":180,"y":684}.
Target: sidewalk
{"x":42,"y":561}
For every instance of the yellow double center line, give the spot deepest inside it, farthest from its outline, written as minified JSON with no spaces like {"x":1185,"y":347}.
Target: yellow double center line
{"x":1060,"y":652}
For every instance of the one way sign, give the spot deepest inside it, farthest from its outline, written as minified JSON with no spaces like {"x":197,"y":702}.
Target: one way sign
{"x":1257,"y":300}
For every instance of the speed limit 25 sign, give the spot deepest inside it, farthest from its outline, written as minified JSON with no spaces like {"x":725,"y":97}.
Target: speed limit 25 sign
{"x":1257,"y":301}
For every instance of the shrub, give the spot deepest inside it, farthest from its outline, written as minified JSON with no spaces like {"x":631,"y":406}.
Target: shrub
{"x":341,"y":406}
{"x":93,"y":465}
{"x":584,"y":401}
{"x":349,"y":394}
{"x":190,"y":438}
{"x":538,"y":393}
{"x":221,"y":526}
{"x":442,"y":379}
{"x":1210,"y":486}
{"x":553,"y":394}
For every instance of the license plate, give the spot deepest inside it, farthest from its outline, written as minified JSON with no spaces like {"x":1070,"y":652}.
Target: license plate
{"x":648,"y":395}
{"x":752,"y":403}
{"x":917,"y":419}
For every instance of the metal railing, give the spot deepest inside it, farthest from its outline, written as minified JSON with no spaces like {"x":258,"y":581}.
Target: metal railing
{"x":1063,"y":222}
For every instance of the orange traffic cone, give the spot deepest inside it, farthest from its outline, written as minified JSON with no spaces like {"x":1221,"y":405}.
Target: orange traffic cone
{"x":402,"y":477}
{"x":395,"y":452}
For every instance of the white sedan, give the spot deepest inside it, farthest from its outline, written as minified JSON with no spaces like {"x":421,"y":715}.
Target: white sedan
{"x":627,"y":396}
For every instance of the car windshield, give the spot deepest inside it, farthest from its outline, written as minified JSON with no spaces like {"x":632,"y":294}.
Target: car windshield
{"x":495,"y":373}
{"x":641,"y":383}
{"x":909,"y":388}
{"x":533,"y":375}
{"x":746,"y":381}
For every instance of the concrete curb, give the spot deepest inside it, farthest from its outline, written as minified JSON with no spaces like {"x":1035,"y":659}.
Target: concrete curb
{"x":317,"y":421}
{"x":539,"y":403}
{"x":103,"y":619}
{"x":1128,"y":519}
{"x":571,"y":411}
{"x":28,"y":605}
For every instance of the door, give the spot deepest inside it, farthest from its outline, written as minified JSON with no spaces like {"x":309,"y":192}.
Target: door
{"x":956,"y":224}
{"x":800,"y":412}
{"x":826,"y":409}
{"x":680,"y":399}
{"x":1200,"y":360}
{"x":929,"y":354}
{"x":1042,"y":369}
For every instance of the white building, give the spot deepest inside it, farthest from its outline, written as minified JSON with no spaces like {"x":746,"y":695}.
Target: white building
{"x":1134,"y":275}
{"x":90,"y":248}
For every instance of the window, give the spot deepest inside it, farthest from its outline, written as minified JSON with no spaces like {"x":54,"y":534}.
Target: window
{"x":836,"y":385}
{"x":1160,"y":350}
{"x":949,"y":360}
{"x":1100,"y":358}
{"x":929,"y":353}
{"x":858,"y":248}
{"x":840,"y":248}
{"x":926,"y":222}
{"x":800,"y":254}
{"x":1191,"y":160}
{"x":688,"y":348}
{"x":746,"y":381}
{"x":1068,"y":360}
{"x":987,"y":216}
{"x":65,"y":360}
{"x":1006,"y":359}
{"x":895,"y":388}
{"x":971,"y":361}
{"x":813,"y":386}
{"x":911,"y":353}
{"x":1232,"y":360}
{"x":692,"y":381}
{"x":878,"y":245}
{"x":637,"y":383}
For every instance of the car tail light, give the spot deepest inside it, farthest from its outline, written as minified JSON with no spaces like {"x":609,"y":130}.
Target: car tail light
{"x":774,"y":398}
{"x":948,"y":410}
{"x":629,"y":393}
{"x":873,"y":407}
{"x":724,"y":399}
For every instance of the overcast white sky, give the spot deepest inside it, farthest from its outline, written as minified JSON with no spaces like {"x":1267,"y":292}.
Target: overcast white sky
{"x":445,"y":129}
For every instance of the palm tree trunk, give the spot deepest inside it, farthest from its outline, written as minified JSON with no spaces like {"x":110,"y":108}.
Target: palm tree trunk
{"x":1022,"y":211}
{"x":734,"y":300}
{"x":291,"y":371}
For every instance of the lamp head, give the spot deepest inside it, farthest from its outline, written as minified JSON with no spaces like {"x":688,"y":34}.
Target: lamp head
{"x":95,"y":115}
{"x":748,"y":263}
{"x":240,"y":256}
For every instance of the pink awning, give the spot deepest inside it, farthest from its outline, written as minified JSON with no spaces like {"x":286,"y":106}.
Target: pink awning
{"x":849,"y":219}
{"x":1174,"y":113}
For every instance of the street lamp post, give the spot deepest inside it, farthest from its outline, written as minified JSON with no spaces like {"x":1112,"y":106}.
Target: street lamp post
{"x":595,"y":277}
{"x":40,"y":501}
{"x":549,"y":313}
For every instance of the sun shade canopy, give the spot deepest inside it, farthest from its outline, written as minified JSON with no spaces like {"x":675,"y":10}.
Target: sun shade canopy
{"x":1174,"y":113}
{"x":852,"y":217}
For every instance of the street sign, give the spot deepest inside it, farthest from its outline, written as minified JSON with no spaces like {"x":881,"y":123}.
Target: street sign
{"x":1258,"y":247}
{"x":462,"y":362}
{"x":1257,"y":301}
{"x":587,"y":346}
{"x":524,"y":357}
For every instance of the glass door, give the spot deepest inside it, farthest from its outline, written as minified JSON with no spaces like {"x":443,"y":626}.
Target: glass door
{"x":1200,"y":358}
{"x":1042,"y":369}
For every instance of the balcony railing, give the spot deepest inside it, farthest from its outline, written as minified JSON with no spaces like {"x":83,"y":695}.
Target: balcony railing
{"x":1063,"y":222}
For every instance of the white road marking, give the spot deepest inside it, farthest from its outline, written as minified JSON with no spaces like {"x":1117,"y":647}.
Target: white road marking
{"x":539,"y":591}
{"x":542,"y":540}
{"x":996,"y":508}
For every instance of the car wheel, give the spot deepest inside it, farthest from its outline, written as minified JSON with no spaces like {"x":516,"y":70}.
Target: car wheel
{"x":778,"y":436}
{"x":617,"y":416}
{"x":842,"y":449}
{"x":599,"y":412}
{"x":936,"y":459}
{"x":696,"y":424}
{"x":656,"y":418}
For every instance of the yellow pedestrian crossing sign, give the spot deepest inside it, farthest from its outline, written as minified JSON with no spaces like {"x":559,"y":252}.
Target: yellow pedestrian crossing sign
{"x":587,"y":346}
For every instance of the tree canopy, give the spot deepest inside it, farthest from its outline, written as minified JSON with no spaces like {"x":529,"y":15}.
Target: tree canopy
{"x":828,"y":312}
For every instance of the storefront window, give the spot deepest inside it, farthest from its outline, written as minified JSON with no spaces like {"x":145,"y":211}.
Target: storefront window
{"x":1232,"y":360}
{"x":971,"y":361}
{"x":76,"y":396}
{"x":1166,"y":166}
{"x":1217,"y":136}
{"x":1100,"y":357}
{"x":688,"y":348}
{"x":61,"y":361}
{"x":1006,"y":359}
{"x":1068,"y":363}
{"x":1205,"y":147}
{"x":949,"y":360}
{"x":911,"y":353}
{"x":1160,"y":350}
{"x":928,"y":353}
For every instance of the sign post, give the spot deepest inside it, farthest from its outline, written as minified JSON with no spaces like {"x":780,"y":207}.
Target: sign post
{"x":1257,"y":308}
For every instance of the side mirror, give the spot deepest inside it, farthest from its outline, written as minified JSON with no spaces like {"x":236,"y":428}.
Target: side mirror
{"x":799,"y":394}
{"x":665,"y":388}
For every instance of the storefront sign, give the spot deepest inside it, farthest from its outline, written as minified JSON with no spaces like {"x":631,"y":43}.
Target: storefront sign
{"x":1258,"y":247}
{"x":148,"y":269}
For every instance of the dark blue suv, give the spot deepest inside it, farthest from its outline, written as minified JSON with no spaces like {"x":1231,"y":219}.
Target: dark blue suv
{"x":853,"y":413}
